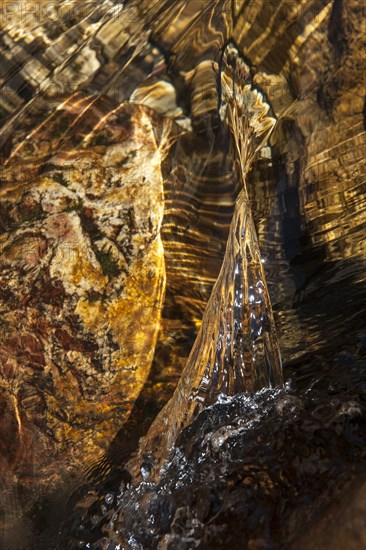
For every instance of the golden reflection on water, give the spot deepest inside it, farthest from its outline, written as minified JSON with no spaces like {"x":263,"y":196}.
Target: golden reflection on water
{"x":67,"y":71}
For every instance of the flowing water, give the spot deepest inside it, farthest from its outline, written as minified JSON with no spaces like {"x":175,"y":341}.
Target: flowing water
{"x":183,"y":216}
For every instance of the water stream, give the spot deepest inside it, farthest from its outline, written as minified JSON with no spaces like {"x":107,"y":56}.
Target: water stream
{"x":183,"y":216}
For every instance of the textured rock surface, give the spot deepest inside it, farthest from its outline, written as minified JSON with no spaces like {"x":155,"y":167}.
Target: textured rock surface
{"x":82,"y":286}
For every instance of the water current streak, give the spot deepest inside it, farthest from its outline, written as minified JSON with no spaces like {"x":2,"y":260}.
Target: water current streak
{"x":236,"y":348}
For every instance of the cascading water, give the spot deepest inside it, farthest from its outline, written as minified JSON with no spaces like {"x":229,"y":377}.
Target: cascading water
{"x":143,"y":185}
{"x":236,"y":348}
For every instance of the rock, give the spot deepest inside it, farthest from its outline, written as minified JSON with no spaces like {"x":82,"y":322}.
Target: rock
{"x":82,"y":287}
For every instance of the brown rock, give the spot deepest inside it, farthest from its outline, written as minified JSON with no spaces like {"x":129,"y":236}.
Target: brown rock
{"x":83,"y":280}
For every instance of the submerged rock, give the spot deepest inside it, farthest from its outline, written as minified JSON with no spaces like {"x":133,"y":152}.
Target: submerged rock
{"x":82,"y":287}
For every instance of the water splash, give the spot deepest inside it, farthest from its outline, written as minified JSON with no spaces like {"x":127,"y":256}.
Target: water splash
{"x":236,"y":348}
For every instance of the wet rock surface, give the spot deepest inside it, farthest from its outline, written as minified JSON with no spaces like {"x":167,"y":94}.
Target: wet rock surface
{"x":82,"y":286}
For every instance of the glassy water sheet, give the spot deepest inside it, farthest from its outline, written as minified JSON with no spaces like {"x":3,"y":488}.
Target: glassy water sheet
{"x":127,"y":136}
